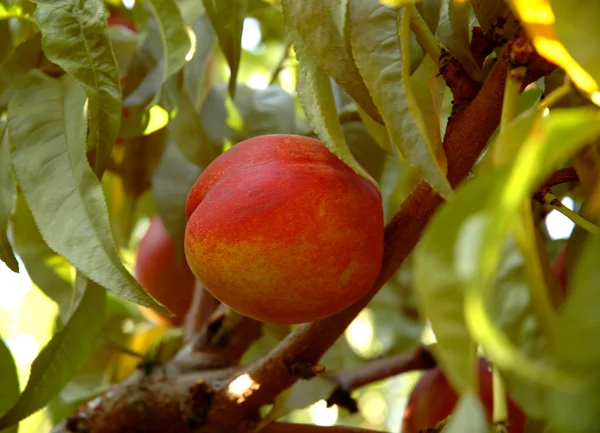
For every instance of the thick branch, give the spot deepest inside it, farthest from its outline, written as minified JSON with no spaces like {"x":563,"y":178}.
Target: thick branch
{"x":282,"y":427}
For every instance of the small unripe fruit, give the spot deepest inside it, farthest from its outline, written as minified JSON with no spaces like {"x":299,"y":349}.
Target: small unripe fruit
{"x":283,"y":231}
{"x":169,"y":280}
{"x":433,"y":399}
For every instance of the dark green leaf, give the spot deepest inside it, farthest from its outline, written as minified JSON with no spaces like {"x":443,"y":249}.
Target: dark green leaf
{"x":7,"y":200}
{"x":374,"y":35}
{"x":9,"y":385}
{"x":327,"y":45}
{"x":6,"y":47}
{"x":50,"y":272}
{"x":175,"y":38}
{"x":171,"y":182}
{"x":227,"y":18}
{"x":68,"y":349}
{"x":75,"y":36}
{"x":47,"y":131}
{"x":194,"y":71}
{"x":24,"y":58}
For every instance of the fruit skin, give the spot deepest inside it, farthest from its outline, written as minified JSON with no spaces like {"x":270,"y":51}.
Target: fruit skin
{"x":433,"y":400}
{"x":559,"y":267}
{"x":283,"y":231}
{"x":158,"y":271}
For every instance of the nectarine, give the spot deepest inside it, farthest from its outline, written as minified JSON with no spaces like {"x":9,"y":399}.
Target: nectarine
{"x":157,"y":269}
{"x":433,"y":399}
{"x":283,"y":231}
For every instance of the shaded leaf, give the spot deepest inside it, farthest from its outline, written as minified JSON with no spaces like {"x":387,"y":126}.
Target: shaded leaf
{"x":9,"y":385}
{"x":7,"y":200}
{"x":175,"y":38}
{"x":316,"y":96}
{"x":59,"y":360}
{"x":47,"y":131}
{"x":374,"y":35}
{"x":75,"y":36}
{"x":50,"y":272}
{"x":227,"y":18}
{"x":326,"y":43}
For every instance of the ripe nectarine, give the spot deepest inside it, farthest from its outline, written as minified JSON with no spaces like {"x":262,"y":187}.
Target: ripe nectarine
{"x":283,"y":231}
{"x":433,"y":399}
{"x":157,"y":269}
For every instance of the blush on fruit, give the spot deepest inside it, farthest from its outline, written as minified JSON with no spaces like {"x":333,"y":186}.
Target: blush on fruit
{"x":283,"y":231}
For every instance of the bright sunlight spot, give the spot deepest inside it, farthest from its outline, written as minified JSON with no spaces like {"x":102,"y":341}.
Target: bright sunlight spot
{"x":258,"y":81}
{"x":15,"y":286}
{"x":242,"y":387}
{"x":190,"y":55}
{"x":596,"y":98}
{"x":374,"y":407}
{"x":559,"y":226}
{"x":251,"y":35}
{"x":129,"y":4}
{"x":23,"y":347}
{"x":360,"y":332}
{"x":158,"y":119}
{"x":323,"y":415}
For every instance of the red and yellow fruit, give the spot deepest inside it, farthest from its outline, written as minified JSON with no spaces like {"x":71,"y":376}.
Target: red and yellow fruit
{"x":157,"y":269}
{"x":283,"y":231}
{"x":433,"y":400}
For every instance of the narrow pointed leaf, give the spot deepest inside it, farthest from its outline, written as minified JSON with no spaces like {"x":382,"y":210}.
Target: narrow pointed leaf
{"x":47,"y":133}
{"x":227,"y":18}
{"x":66,"y":352}
{"x":75,"y":36}
{"x":9,"y":385}
{"x":7,"y":201}
{"x":327,"y":45}
{"x":376,"y":46}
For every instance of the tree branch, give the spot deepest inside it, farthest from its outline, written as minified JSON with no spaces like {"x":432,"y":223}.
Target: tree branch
{"x":202,"y":306}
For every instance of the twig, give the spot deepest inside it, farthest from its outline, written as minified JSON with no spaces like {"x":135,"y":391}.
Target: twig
{"x":281,"y":64}
{"x":563,"y":175}
{"x":282,"y":427}
{"x":378,"y":369}
{"x":202,"y":306}
{"x":552,"y":201}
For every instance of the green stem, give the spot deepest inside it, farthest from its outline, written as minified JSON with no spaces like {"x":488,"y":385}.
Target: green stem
{"x":553,"y":202}
{"x":554,"y":96}
{"x":500,"y":410}
{"x":512,"y":90}
{"x":418,"y":26}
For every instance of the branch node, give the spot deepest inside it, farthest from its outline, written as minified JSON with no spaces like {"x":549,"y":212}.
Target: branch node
{"x":196,"y":408}
{"x":342,"y":398}
{"x":78,"y":424}
{"x":304,"y":369}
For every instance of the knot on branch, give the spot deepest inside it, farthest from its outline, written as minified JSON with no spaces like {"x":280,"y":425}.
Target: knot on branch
{"x":464,"y":88}
{"x":195,"y":409}
{"x":304,"y":369}
{"x":78,"y":424}
{"x":342,"y":398}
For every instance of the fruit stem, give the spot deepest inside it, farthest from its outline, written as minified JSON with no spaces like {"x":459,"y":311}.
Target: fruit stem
{"x":553,"y":202}
{"x":418,"y":26}
{"x":512,"y":90}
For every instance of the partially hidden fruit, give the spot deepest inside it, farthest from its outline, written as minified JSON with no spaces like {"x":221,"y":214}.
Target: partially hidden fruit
{"x":559,"y":267}
{"x":433,"y":399}
{"x":283,"y":231}
{"x":157,"y":269}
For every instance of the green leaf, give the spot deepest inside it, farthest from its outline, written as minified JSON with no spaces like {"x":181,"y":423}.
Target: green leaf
{"x":374,"y":35}
{"x":454,"y":33}
{"x":442,"y":291}
{"x":7,"y":47}
{"x":47,"y":131}
{"x":194,"y":71}
{"x":173,"y":31}
{"x":171,"y":182}
{"x":9,"y":385}
{"x":227,"y":18}
{"x":66,"y":352}
{"x":75,"y":36}
{"x":553,"y":139}
{"x":8,"y":193}
{"x":327,"y":45}
{"x":468,"y":417}
{"x":316,"y":97}
{"x":50,"y":272}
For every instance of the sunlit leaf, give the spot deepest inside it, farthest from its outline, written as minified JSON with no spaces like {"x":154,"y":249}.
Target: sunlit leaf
{"x":227,"y":18}
{"x":326,"y":43}
{"x":468,"y":417}
{"x":59,"y":360}
{"x":75,"y":36}
{"x":316,"y":96}
{"x":374,"y":35}
{"x":47,"y":133}
{"x":9,"y":385}
{"x":553,"y":139}
{"x":7,"y":200}
{"x":555,"y":27}
{"x":194,"y":71}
